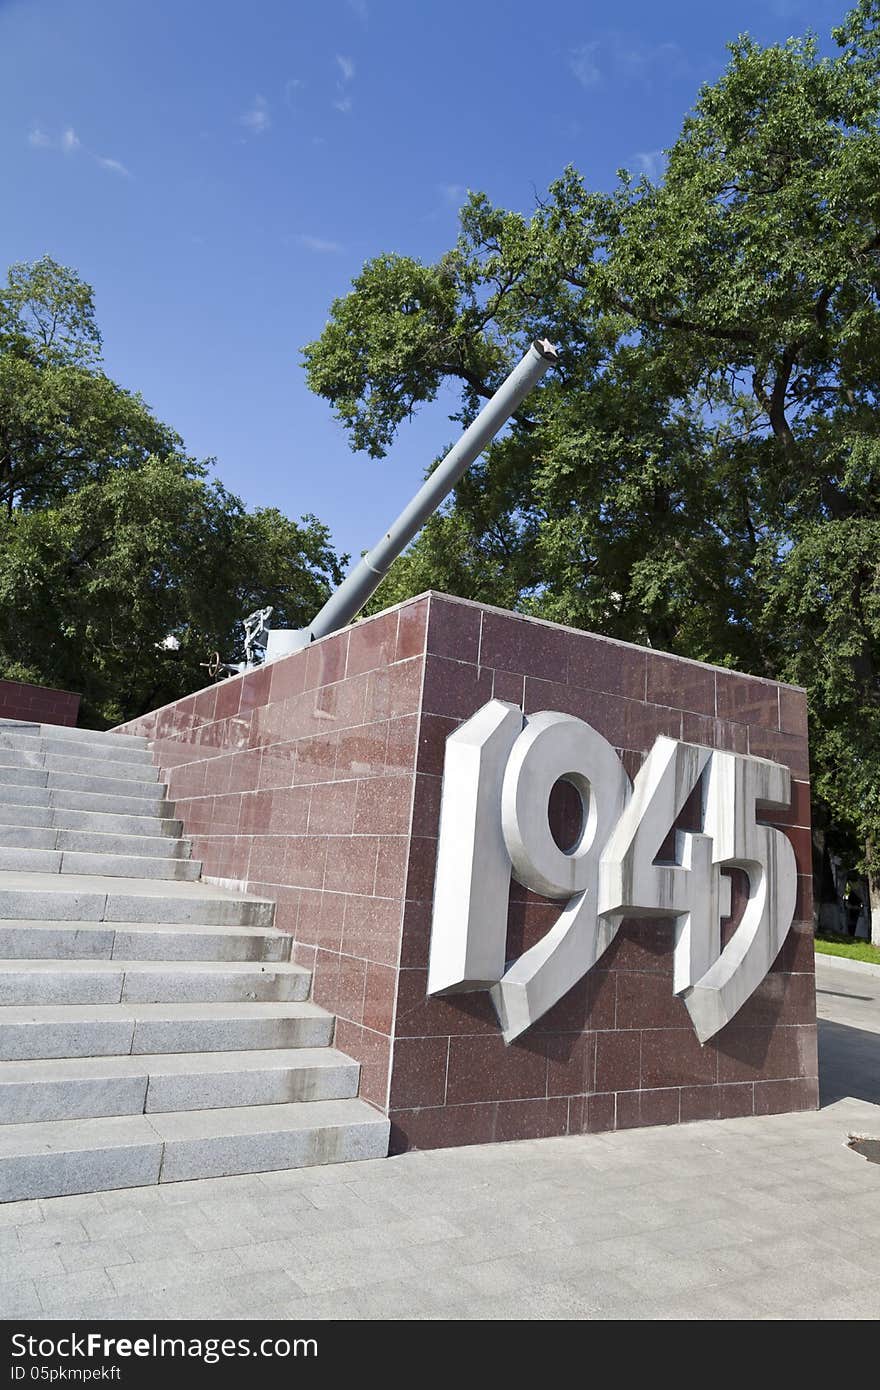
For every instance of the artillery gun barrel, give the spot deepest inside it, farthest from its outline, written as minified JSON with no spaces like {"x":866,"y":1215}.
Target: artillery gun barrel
{"x":347,"y":601}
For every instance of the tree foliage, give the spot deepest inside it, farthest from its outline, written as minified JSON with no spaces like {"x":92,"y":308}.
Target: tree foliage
{"x":111,"y":537}
{"x":63,"y":422}
{"x":702,"y":473}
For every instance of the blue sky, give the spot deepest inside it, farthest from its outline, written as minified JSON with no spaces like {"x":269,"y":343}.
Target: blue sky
{"x":219,"y":172}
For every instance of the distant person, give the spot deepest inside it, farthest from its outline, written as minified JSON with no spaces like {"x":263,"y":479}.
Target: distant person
{"x":854,"y":907}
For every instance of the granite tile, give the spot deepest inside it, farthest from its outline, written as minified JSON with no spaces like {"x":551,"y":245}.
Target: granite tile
{"x":372,"y":643}
{"x":530,"y":648}
{"x":412,"y":626}
{"x":618,"y":1061}
{"x":418,"y":1076}
{"x":326,"y":660}
{"x":453,"y":629}
{"x":684,"y":685}
{"x":745,"y":700}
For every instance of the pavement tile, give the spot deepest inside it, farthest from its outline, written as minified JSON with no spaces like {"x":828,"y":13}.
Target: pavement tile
{"x":19,"y":1299}
{"x":74,"y":1287}
{"x":49,"y":1233}
{"x":762,"y":1218}
{"x":94,"y":1254}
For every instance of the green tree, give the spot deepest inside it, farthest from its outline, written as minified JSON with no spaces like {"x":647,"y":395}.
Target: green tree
{"x":62,"y":420}
{"x":90,"y":586}
{"x":111,"y":537}
{"x":701,"y":474}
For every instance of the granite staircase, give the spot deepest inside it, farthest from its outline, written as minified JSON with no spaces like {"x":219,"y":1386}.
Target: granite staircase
{"x":152,"y":1026}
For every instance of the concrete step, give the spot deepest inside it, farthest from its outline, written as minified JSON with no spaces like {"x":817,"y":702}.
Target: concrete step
{"x":55,"y":798}
{"x":31,"y":742}
{"x":92,"y":898}
{"x":139,"y":866}
{"x":99,"y":1030}
{"x":61,"y":1157}
{"x":105,"y":737}
{"x":60,"y":941}
{"x":24,"y":776}
{"x":53,"y":780}
{"x":98,"y":766}
{"x":92,"y":842}
{"x":90,"y":1087}
{"x":137,"y":846}
{"x":100,"y":823}
{"x":48,"y":861}
{"x":48,"y":982}
{"x":14,"y":760}
{"x":142,"y":791}
{"x":28,"y":836}
{"x":25,"y":815}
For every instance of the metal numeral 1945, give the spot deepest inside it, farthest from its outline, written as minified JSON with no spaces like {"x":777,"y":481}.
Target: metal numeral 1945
{"x":499,"y":772}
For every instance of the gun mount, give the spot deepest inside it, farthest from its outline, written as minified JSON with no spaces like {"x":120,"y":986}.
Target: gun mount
{"x":347,"y":601}
{"x":256,"y":633}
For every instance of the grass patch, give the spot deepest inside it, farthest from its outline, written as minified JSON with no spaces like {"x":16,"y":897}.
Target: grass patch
{"x":831,"y":945}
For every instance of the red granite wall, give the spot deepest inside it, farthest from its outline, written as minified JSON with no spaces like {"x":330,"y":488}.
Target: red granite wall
{"x":296,"y":781}
{"x":37,"y":703}
{"x":317,"y":781}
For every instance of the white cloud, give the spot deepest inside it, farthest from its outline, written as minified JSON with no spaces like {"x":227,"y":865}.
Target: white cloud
{"x":359,"y":10}
{"x":343,"y":100}
{"x":651,"y":163}
{"x":291,"y":86}
{"x":582,"y":62}
{"x":319,"y":245}
{"x":69,"y":142}
{"x":113,"y":166}
{"x":620,"y":58}
{"x":452,"y":193}
{"x":257,"y":119}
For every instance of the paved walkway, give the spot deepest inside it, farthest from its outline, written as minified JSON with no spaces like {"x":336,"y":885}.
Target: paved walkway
{"x":756,"y":1218}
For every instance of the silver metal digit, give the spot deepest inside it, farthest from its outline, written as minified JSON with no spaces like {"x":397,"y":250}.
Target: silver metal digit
{"x":736,"y":786}
{"x":469,"y":925}
{"x":494,"y":822}
{"x":554,"y":747}
{"x":690,"y":890}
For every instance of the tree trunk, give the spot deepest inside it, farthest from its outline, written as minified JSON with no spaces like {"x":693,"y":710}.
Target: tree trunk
{"x":872,"y":865}
{"x":874,"y":893}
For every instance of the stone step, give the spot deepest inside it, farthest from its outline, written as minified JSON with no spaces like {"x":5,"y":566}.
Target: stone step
{"x":25,"y":940}
{"x":28,"y":836}
{"x":27,"y":742}
{"x":142,"y":791}
{"x":104,"y":737}
{"x":61,"y":1157}
{"x":91,"y":841}
{"x":16,"y":759}
{"x":25,"y":815}
{"x":76,"y":1088}
{"x":98,"y":766}
{"x":93,"y":898}
{"x":137,"y":846}
{"x":33,"y":1031}
{"x":100,"y":823}
{"x":48,"y":982}
{"x":49,"y":861}
{"x":56,"y":798}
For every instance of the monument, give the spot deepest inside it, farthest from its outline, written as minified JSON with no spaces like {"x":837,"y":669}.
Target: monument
{"x":548,"y":882}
